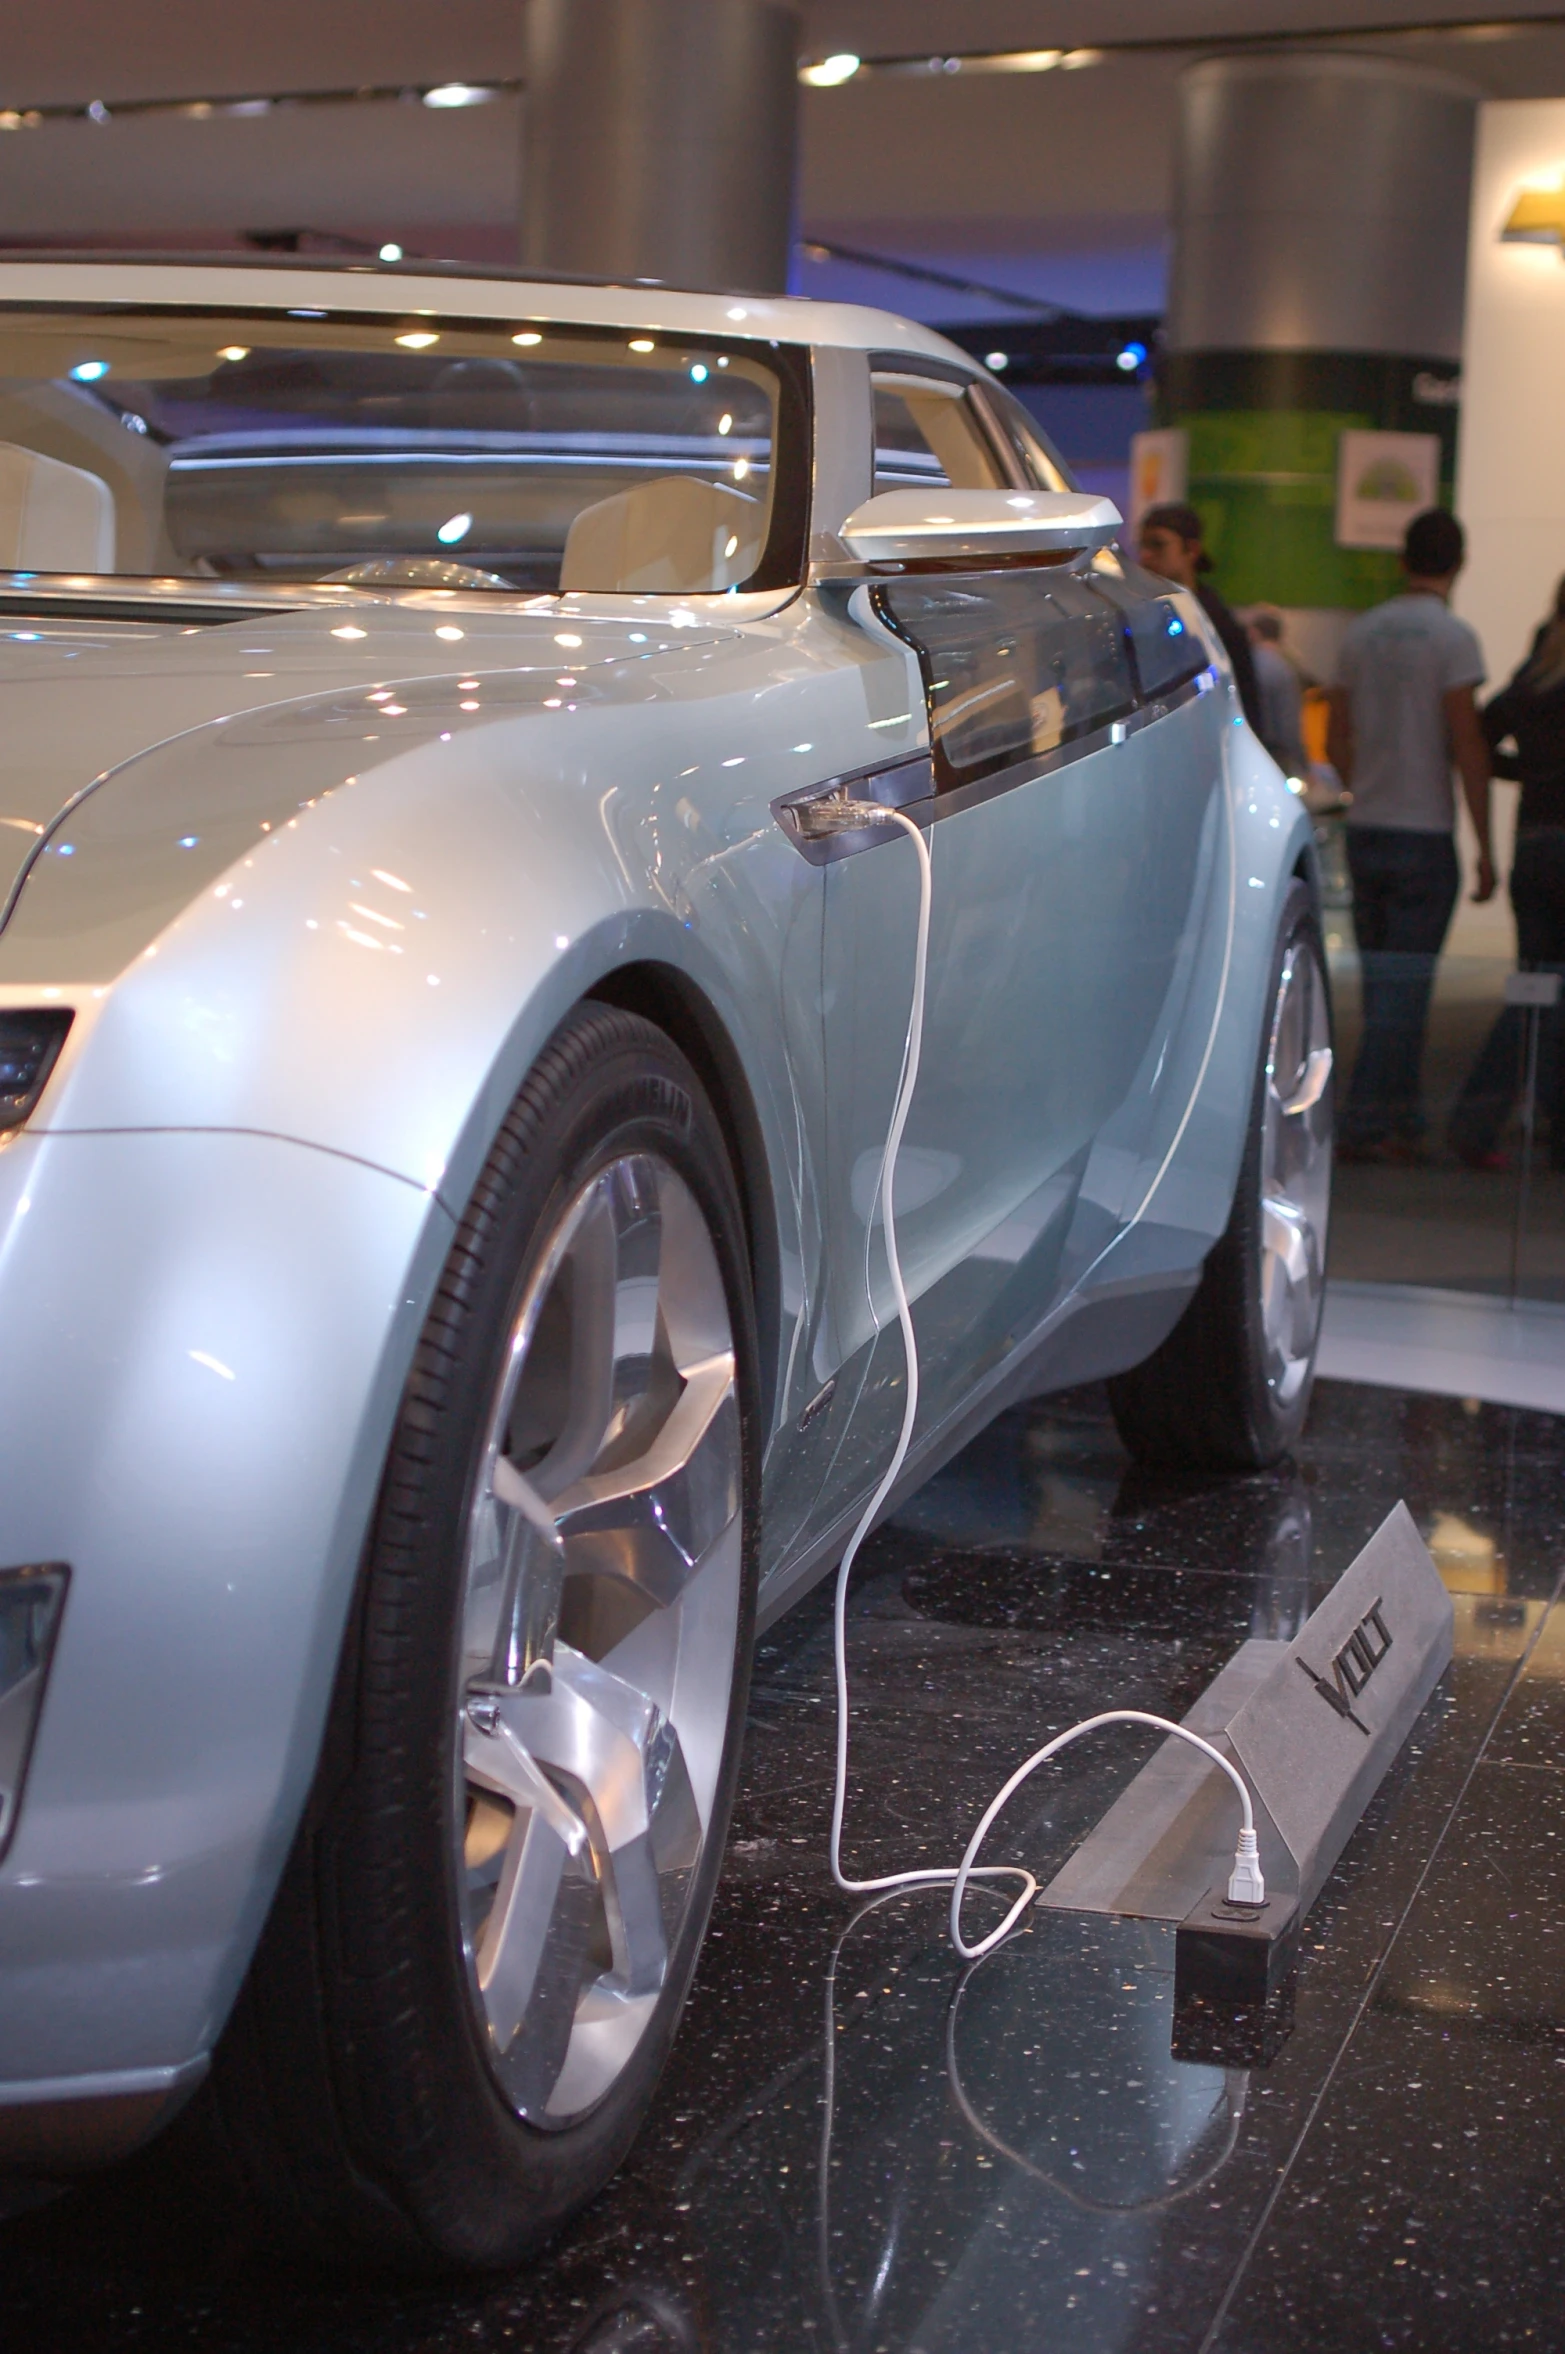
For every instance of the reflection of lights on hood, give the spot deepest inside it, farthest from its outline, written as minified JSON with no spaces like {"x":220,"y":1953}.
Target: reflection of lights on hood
{"x":454,"y":528}
{"x":89,"y":371}
{"x":418,"y":339}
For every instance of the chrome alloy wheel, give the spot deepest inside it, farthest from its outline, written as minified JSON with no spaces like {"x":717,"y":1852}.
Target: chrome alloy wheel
{"x":1295,"y":1170}
{"x":602,"y":1587}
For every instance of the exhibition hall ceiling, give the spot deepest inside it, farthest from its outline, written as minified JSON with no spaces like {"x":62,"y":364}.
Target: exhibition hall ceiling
{"x":1053,"y":186}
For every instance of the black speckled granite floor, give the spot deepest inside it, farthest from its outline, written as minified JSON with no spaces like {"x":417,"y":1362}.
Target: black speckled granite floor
{"x":860,"y":2149}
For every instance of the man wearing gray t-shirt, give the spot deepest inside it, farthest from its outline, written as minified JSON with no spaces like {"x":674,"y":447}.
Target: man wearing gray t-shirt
{"x":1402,"y":715}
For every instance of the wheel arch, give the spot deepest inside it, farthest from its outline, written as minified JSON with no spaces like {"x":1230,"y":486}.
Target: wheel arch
{"x":662,"y":994}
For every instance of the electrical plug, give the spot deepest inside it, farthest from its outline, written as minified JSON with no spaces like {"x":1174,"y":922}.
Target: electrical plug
{"x":1246,"y":1886}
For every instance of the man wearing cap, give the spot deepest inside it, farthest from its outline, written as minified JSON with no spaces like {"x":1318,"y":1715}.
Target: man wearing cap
{"x":1403,"y":715}
{"x":1172,"y":542}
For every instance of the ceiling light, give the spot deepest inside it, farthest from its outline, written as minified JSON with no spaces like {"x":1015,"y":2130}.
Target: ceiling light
{"x":449,"y":631}
{"x":455,"y":527}
{"x":348,"y":630}
{"x":391,"y":252}
{"x":234,"y":351}
{"x":827,"y":72}
{"x":457,"y":94}
{"x":642,"y":343}
{"x":529,"y":335}
{"x":418,"y":339}
{"x":997,"y":360}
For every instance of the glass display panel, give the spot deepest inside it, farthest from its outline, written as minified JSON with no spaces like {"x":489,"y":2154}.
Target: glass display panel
{"x":293,"y":447}
{"x":1016,"y":664}
{"x":1168,"y":653}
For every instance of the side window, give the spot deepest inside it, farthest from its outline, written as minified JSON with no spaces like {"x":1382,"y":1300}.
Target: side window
{"x":928,"y":435}
{"x":1016,"y":664}
{"x":1166,"y":653}
{"x":1031,"y":447}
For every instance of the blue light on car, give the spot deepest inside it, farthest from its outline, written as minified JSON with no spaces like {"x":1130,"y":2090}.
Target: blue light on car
{"x":699,"y":373}
{"x":1176,"y":628}
{"x":1131,"y":357}
{"x":89,"y":371}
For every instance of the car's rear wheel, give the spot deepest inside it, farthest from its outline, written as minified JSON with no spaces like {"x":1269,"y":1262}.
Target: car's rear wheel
{"x":1230,"y":1387}
{"x":460,"y":2008}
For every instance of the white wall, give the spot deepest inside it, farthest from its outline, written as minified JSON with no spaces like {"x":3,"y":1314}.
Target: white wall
{"x":1511,"y":458}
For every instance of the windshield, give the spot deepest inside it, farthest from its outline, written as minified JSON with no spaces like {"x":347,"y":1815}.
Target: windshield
{"x":391,"y":451}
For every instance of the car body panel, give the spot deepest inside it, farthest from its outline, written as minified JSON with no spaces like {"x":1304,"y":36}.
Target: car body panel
{"x":314,"y":941}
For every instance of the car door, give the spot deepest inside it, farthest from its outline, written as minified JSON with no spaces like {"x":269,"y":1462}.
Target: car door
{"x":1066,"y":871}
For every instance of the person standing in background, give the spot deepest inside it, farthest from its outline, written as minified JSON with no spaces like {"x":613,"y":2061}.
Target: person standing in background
{"x":1172,"y":542}
{"x":1281,"y":692}
{"x":1529,"y":713}
{"x":1402,"y":713}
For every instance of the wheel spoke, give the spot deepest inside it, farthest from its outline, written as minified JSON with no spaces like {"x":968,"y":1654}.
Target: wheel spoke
{"x":652,"y":1521}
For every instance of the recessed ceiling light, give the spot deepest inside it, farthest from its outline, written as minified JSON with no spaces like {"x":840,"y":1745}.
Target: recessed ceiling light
{"x":827,"y":72}
{"x":458,"y":94}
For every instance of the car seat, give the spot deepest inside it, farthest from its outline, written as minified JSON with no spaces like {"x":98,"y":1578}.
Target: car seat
{"x":676,"y":534}
{"x":53,"y":517}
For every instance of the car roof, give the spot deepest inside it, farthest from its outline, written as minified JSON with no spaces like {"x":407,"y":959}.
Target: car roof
{"x":452,"y":290}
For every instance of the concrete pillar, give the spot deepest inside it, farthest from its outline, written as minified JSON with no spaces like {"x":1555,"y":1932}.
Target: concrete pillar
{"x":659,"y":140}
{"x":1320,"y":228}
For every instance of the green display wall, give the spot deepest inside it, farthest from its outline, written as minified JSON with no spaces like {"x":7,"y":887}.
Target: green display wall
{"x":1263,"y":430}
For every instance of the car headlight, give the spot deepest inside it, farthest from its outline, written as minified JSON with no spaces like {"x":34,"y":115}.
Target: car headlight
{"x":30,"y":1043}
{"x":30,"y":1604}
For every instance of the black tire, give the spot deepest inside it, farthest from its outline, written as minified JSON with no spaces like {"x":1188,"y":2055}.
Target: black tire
{"x":352,"y":2084}
{"x":1203,"y":1401}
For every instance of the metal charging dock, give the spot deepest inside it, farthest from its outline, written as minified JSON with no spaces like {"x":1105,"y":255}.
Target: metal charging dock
{"x":1313,"y":1725}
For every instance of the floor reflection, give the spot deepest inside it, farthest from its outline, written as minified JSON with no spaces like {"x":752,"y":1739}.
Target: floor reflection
{"x":859,"y":2148}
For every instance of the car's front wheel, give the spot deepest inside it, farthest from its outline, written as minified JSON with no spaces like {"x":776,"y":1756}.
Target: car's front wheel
{"x":463,"y":2000}
{"x":1230,"y":1387}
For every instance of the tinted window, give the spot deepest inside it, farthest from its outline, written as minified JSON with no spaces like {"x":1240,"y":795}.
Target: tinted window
{"x":1016,"y":664}
{"x":926,"y":432}
{"x":1167,"y":653}
{"x":397,"y":451}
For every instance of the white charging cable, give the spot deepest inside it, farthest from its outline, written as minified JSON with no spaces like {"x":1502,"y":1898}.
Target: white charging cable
{"x":1246,"y":1886}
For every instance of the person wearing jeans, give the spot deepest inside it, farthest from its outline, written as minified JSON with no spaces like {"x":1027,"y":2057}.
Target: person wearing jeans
{"x":1402,"y":714}
{"x":1528,"y":715}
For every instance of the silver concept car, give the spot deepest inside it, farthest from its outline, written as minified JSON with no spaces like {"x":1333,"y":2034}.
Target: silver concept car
{"x":448,"y":1030}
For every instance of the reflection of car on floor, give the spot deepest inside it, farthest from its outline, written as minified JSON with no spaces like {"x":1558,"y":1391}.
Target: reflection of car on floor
{"x":447,"y":1034}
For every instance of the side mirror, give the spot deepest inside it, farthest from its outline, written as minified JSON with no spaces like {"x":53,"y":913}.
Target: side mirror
{"x":966,"y":530}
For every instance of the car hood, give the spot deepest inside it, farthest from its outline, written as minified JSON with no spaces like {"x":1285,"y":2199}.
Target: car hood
{"x":155,"y":751}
